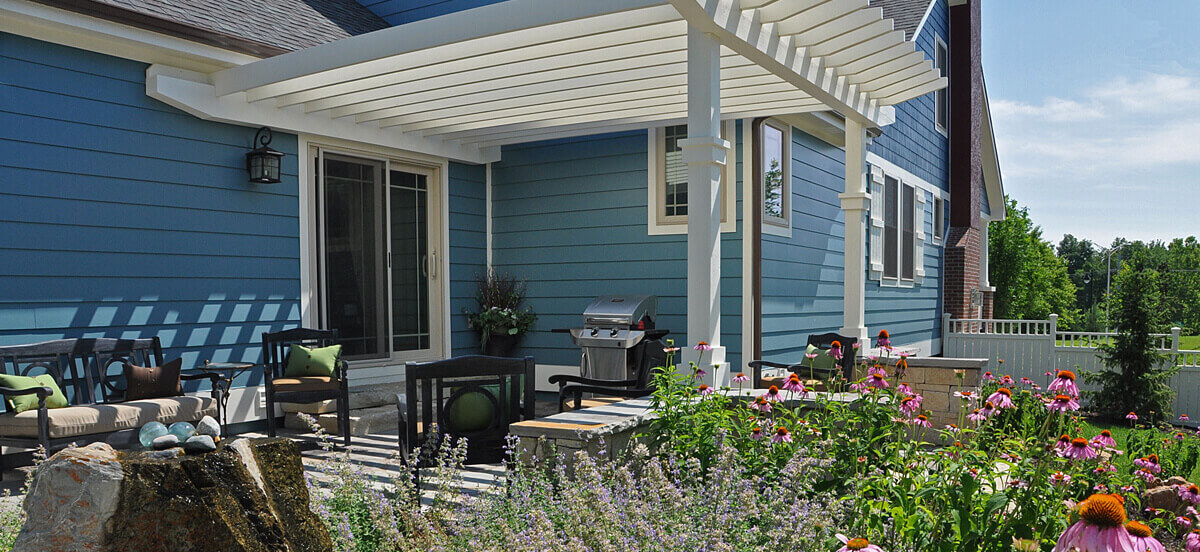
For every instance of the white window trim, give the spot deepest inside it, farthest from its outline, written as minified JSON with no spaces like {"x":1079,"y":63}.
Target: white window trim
{"x":310,"y":315}
{"x":938,"y":42}
{"x":939,"y":223}
{"x":777,"y":226}
{"x":880,"y":167}
{"x":654,"y":183}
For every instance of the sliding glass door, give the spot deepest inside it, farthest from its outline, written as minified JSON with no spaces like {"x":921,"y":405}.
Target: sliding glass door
{"x":377,"y":247}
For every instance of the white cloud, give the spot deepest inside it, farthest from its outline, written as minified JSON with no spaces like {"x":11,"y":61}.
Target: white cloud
{"x":1053,"y":109}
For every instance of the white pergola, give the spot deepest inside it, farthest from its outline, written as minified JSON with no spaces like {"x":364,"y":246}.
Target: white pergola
{"x":462,"y":85}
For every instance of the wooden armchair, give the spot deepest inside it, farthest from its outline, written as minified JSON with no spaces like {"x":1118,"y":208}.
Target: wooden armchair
{"x":494,"y":391}
{"x":820,"y":341}
{"x":306,"y":389}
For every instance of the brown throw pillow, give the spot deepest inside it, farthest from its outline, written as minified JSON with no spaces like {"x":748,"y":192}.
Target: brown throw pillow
{"x":152,"y":382}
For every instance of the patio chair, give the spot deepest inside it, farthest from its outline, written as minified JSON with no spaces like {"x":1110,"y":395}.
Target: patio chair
{"x":306,"y":389}
{"x":474,"y":397}
{"x":647,"y":355}
{"x":822,"y":342}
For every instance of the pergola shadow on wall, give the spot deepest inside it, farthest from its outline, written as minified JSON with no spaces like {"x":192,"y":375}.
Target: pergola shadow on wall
{"x":461,"y":85}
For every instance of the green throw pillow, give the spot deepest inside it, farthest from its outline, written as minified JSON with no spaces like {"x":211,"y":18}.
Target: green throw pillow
{"x":470,"y":412}
{"x":823,"y":360}
{"x":21,"y":403}
{"x":303,"y":361}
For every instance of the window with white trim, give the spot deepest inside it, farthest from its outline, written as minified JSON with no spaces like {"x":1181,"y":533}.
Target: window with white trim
{"x":668,"y":183}
{"x":775,"y":173}
{"x":941,"y":99}
{"x":939,"y":219}
{"x":897,"y":230}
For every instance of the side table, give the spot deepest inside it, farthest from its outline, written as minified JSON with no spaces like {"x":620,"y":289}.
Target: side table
{"x":228,"y":371}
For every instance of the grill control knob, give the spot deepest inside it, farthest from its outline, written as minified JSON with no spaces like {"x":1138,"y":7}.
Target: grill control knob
{"x":614,"y":332}
{"x":595,"y":332}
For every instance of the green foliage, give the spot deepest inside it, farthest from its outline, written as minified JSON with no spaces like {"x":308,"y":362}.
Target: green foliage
{"x":1031,"y":281}
{"x":1135,"y":378}
{"x":499,"y":297}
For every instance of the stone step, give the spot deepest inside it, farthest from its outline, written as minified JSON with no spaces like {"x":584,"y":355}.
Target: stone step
{"x":363,"y":421}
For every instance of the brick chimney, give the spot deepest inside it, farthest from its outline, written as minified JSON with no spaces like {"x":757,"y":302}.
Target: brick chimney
{"x":964,"y":239}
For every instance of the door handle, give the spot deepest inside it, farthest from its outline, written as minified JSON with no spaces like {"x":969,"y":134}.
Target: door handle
{"x":433,"y":263}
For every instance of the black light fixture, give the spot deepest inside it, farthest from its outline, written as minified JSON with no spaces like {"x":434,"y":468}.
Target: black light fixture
{"x":263,"y":162}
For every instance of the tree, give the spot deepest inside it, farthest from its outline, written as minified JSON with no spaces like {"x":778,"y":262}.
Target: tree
{"x":1031,"y":281}
{"x":1135,"y":378}
{"x":1181,"y":284}
{"x":1079,"y":254}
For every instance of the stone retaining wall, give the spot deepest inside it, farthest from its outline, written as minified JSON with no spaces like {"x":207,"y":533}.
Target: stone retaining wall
{"x":937,"y":379}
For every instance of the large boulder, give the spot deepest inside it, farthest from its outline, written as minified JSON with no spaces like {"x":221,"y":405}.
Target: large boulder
{"x":247,"y":496}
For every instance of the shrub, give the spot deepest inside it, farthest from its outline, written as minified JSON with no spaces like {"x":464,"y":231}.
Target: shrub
{"x":1136,"y":376}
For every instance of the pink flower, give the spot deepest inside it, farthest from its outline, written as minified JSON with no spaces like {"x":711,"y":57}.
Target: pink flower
{"x":1146,"y":476}
{"x":835,"y":350}
{"x":1148,"y":463}
{"x":905,"y":390}
{"x":910,"y":405}
{"x":966,"y":395}
{"x":703,"y":346}
{"x":761,"y":404}
{"x":705,"y":390}
{"x":1063,"y":403}
{"x":856,"y":345}
{"x":1183,"y":417}
{"x":1101,"y":527}
{"x":1060,"y":479}
{"x":1063,"y":442}
{"x":810,"y":356}
{"x":1047,"y":373}
{"x":1026,"y":381}
{"x":1104,"y":439}
{"x":856,"y":545}
{"x":877,"y":381}
{"x":1002,"y":398}
{"x":1193,"y":541}
{"x":884,"y":340}
{"x":921,"y":421}
{"x":1190,"y":493}
{"x":1006,"y":380}
{"x":1183,"y":522}
{"x":756,"y":434}
{"x":740,"y":378}
{"x":987,"y":376}
{"x":1131,"y":416}
{"x":793,"y":385}
{"x":772,"y":394}
{"x":781,"y":435}
{"x":1064,"y":382}
{"x":1079,"y":450}
{"x":977,"y":416}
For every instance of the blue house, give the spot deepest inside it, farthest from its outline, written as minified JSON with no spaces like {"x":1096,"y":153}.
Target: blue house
{"x":768,"y":168}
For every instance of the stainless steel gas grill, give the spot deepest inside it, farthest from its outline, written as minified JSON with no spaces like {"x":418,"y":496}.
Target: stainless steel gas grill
{"x":613,"y":336}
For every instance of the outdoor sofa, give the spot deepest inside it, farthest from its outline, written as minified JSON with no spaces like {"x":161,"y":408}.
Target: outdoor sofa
{"x":89,"y":372}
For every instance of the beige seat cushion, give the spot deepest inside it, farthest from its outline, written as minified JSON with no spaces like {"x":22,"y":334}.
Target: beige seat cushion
{"x":305,"y":383}
{"x":74,"y":421}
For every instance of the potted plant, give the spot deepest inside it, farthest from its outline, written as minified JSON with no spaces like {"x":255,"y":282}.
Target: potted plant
{"x":500,"y":319}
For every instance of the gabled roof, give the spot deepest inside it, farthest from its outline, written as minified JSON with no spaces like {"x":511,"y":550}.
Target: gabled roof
{"x":907,"y":14}
{"x":259,"y":27}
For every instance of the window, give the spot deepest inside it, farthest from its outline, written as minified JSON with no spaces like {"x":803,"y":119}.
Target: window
{"x":377,"y":262}
{"x":891,"y":224}
{"x":908,"y":235}
{"x":939,"y":218}
{"x":668,"y":186}
{"x":775,"y":175}
{"x":941,"y":100}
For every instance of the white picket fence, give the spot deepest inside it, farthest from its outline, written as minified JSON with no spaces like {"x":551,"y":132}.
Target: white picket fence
{"x":1030,"y":348}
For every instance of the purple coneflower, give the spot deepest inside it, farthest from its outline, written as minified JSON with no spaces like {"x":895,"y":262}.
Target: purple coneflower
{"x":703,"y":346}
{"x":1006,"y":380}
{"x":1183,"y":417}
{"x":1104,"y":439}
{"x":910,"y":405}
{"x":856,"y":545}
{"x":977,"y":416}
{"x":1063,"y":442}
{"x":1060,"y":479}
{"x":1002,"y":398}
{"x":772,"y":394}
{"x":1101,"y":527}
{"x":1131,"y":417}
{"x":793,"y":385}
{"x":1193,"y":541}
{"x":761,"y":404}
{"x":1179,"y":436}
{"x":921,"y":420}
{"x":905,"y":390}
{"x":1026,"y":381}
{"x":1064,"y":382}
{"x":835,"y":350}
{"x":704,"y":390}
{"x":987,"y":376}
{"x":1063,"y":403}
{"x":877,"y":381}
{"x":781,"y":435}
{"x":740,"y":378}
{"x":1190,"y":493}
{"x":1079,"y":450}
{"x":1148,"y":463}
{"x":1183,"y":522}
{"x":1146,"y":475}
{"x":951,"y":428}
{"x":884,"y":339}
{"x":756,"y":433}
{"x":966,"y":395}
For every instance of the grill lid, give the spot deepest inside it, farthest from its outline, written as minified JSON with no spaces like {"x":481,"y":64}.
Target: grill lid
{"x":620,"y":310}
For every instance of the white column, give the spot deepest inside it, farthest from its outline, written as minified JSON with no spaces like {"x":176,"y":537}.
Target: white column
{"x":704,"y":152}
{"x":855,"y":202}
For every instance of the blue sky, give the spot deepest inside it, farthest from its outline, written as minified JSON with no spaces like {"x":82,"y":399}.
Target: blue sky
{"x":1096,"y":106}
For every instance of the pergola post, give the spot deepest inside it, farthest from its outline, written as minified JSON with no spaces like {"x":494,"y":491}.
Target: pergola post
{"x":704,"y":152}
{"x":855,"y":202}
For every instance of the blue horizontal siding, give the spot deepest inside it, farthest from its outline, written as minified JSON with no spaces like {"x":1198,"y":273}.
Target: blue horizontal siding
{"x":468,"y":250}
{"x":911,"y":314}
{"x":569,"y":216}
{"x":399,"y":12}
{"x":913,"y":141}
{"x":123,"y":217}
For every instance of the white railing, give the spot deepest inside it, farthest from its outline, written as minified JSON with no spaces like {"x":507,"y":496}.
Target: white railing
{"x":1030,"y":348}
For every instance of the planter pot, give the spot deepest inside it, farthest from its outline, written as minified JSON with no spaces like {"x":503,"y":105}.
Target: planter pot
{"x":501,"y":345}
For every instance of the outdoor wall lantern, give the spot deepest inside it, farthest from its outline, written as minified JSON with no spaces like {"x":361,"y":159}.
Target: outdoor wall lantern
{"x":263,"y":162}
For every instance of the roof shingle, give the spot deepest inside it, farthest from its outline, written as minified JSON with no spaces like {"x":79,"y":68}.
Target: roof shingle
{"x":907,"y":14}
